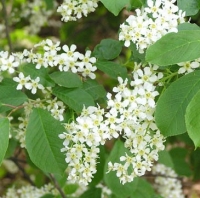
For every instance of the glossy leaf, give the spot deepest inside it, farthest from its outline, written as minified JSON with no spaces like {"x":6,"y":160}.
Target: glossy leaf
{"x":95,"y":89}
{"x":74,"y":98}
{"x":172,"y":104}
{"x":192,"y":119}
{"x":108,"y":49}
{"x":42,"y":142}
{"x":175,"y":48}
{"x":66,"y":79}
{"x":113,"y":69}
{"x":191,"y":7}
{"x":4,"y":137}
{"x":115,"y":6}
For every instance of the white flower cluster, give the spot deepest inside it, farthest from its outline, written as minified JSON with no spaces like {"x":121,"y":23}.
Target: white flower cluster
{"x":54,"y":106}
{"x":71,"y":10}
{"x":133,"y":111}
{"x":7,"y":63}
{"x":167,"y":185}
{"x":129,"y":114}
{"x":28,"y":83}
{"x":189,"y":66}
{"x":30,"y":191}
{"x":69,"y":60}
{"x":151,"y":23}
{"x":37,"y":13}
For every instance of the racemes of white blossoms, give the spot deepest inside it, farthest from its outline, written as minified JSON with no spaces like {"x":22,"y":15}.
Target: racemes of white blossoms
{"x":71,"y":10}
{"x":150,"y":23}
{"x":130,"y":114}
{"x":31,"y":191}
{"x":167,"y":185}
{"x":65,"y":58}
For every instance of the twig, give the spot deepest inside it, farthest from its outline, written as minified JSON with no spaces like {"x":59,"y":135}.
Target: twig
{"x":6,"y":25}
{"x":160,"y":175}
{"x":57,"y":186}
{"x":26,"y":176}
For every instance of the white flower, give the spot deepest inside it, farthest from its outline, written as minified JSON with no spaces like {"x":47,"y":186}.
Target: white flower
{"x":150,"y":23}
{"x":9,"y":64}
{"x":88,"y":71}
{"x":23,"y":81}
{"x":41,"y":61}
{"x":71,"y":51}
{"x":73,"y":10}
{"x":86,"y":60}
{"x":53,"y":48}
{"x":34,"y":85}
{"x":153,"y":8}
{"x":187,"y":67}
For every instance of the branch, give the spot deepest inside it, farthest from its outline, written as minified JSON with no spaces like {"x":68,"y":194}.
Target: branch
{"x":25,"y":175}
{"x":6,"y":25}
{"x":160,"y":175}
{"x":57,"y":186}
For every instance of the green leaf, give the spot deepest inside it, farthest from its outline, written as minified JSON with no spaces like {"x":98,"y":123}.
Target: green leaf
{"x":144,"y":190}
{"x":136,"y":56}
{"x":195,"y":163}
{"x":70,"y":188}
{"x":74,"y":98}
{"x":191,"y":7}
{"x":108,"y":49}
{"x":4,"y":137}
{"x":48,"y":196}
{"x":42,"y":142}
{"x":171,"y":105}
{"x":175,"y":48}
{"x":137,"y":3}
{"x":188,"y":26}
{"x":96,"y":90}
{"x":66,"y":79}
{"x":49,"y":4}
{"x":29,"y":69}
{"x":98,"y":176}
{"x":165,"y":158}
{"x":11,"y":147}
{"x":115,"y":6}
{"x":179,"y":156}
{"x":113,"y":69}
{"x":192,"y":119}
{"x":9,"y":95}
{"x":92,"y":192}
{"x":111,"y":180}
